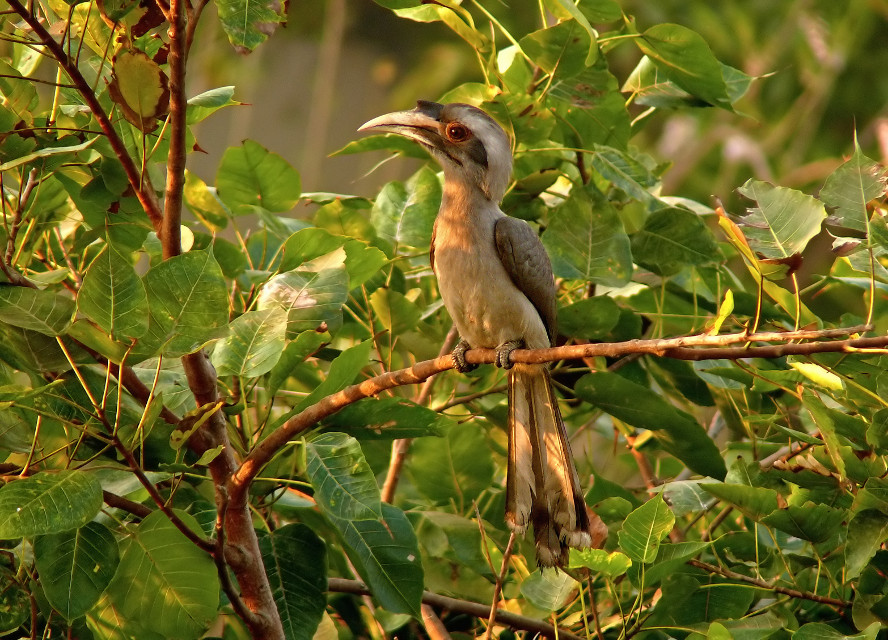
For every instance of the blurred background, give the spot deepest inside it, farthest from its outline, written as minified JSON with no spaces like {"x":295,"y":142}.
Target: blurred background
{"x":822,"y":64}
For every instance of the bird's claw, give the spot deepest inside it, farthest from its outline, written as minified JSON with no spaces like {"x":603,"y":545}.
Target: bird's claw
{"x":504,"y":353}
{"x":459,"y":357}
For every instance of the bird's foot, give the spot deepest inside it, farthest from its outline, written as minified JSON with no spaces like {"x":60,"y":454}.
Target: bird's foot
{"x":504,"y":353}
{"x":459,"y":357}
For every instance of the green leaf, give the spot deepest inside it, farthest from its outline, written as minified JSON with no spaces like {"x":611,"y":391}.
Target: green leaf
{"x":386,"y":555}
{"x":295,"y":560}
{"x":112,"y":295}
{"x":586,"y":241}
{"x":344,"y":484}
{"x":205,"y":104}
{"x":686,"y":59}
{"x":809,"y":521}
{"x":388,"y":142}
{"x":826,"y":418}
{"x":254,"y":345}
{"x":36,"y":310}
{"x":755,"y":502}
{"x":48,"y":503}
{"x":248,"y":24}
{"x":559,"y":50}
{"x":851,"y":187}
{"x":676,"y":431}
{"x":312,"y":295}
{"x":458,"y":19}
{"x":625,"y":172}
{"x":76,"y":566}
{"x":343,"y":371}
{"x":589,"y":319}
{"x":204,"y":203}
{"x":164,"y":583}
{"x":388,"y":418}
{"x":394,"y":311}
{"x":612,"y":564}
{"x":548,"y":590}
{"x":457,"y":468}
{"x":362,"y":261}
{"x":673,"y":239}
{"x":867,"y":531}
{"x":670,"y":558}
{"x":784,"y":220}
{"x":294,"y":354}
{"x":405,"y":214}
{"x":822,"y":631}
{"x":645,"y":528}
{"x":188,"y":299}
{"x":252,"y":176}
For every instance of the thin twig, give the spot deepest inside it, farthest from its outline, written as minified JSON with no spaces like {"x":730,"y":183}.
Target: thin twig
{"x":498,"y":588}
{"x":792,"y":593}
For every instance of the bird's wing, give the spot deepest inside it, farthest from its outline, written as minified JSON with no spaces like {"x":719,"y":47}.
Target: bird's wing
{"x":527,"y":263}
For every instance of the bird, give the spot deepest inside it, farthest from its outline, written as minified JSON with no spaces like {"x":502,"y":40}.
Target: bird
{"x":496,"y":281}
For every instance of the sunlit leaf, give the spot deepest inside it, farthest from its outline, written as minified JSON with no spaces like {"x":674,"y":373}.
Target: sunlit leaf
{"x":851,"y":187}
{"x":48,"y":503}
{"x":254,"y":344}
{"x":140,"y":88}
{"x":188,"y":302}
{"x":205,"y":104}
{"x":548,"y":590}
{"x":313,"y":299}
{"x":248,"y":24}
{"x":112,"y":295}
{"x":405,"y":214}
{"x":43,"y":311}
{"x":686,"y":59}
{"x":645,"y":528}
{"x":784,"y":220}
{"x":252,"y":176}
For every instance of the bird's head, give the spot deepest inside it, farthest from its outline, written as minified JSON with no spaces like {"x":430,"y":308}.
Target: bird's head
{"x":470,"y":146}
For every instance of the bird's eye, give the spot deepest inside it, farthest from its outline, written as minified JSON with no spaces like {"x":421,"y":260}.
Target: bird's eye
{"x":457,"y":132}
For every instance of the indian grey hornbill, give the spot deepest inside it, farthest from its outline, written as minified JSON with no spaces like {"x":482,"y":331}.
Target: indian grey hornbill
{"x":496,"y":281}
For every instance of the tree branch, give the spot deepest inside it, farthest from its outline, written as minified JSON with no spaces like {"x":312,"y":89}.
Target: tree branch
{"x":682,"y":348}
{"x":792,"y":593}
{"x":481,"y":611}
{"x":140,"y":184}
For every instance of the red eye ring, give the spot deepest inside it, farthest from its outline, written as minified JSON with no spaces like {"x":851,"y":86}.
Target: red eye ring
{"x":457,"y":132}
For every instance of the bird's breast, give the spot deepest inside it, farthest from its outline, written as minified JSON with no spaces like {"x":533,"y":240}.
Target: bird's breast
{"x":486,"y":306}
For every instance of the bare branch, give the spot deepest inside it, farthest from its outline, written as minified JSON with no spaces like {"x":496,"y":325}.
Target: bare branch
{"x":792,"y":593}
{"x":482,"y":611}
{"x":670,"y":347}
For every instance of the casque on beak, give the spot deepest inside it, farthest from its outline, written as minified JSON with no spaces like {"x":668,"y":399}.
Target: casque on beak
{"x":421,"y":124}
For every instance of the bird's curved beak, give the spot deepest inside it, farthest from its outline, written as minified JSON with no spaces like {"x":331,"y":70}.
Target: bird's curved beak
{"x":420,"y":124}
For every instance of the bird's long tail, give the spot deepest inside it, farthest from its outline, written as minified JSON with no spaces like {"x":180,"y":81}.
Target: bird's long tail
{"x":542,"y":486}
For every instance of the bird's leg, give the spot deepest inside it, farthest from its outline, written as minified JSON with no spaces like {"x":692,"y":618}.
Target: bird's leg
{"x":504,"y":353}
{"x":459,"y":357}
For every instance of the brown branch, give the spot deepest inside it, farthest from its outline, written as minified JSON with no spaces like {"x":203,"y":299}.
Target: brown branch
{"x":171,"y":233}
{"x":761,"y":584}
{"x":125,"y":504}
{"x":303,"y":421}
{"x":140,"y":184}
{"x":481,"y":611}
